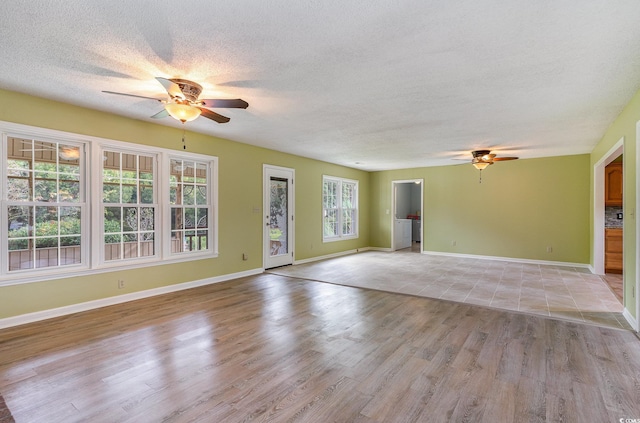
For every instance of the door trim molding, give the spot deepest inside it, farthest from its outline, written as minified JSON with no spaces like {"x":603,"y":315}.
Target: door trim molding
{"x":635,"y":322}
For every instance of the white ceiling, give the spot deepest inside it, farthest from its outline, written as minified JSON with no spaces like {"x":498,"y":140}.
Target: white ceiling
{"x":370,"y":84}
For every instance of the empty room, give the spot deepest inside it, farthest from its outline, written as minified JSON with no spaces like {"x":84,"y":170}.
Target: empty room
{"x":319,"y":211}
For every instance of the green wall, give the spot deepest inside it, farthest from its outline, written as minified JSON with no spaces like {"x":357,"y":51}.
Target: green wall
{"x":624,"y":127}
{"x":520,"y":208}
{"x":239,"y":196}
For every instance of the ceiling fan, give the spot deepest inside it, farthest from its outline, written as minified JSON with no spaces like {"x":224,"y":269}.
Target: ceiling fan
{"x":484,"y":158}
{"x":183,"y":103}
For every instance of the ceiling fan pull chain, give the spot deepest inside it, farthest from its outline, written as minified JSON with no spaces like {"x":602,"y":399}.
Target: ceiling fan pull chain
{"x":184,"y":131}
{"x":480,"y":176}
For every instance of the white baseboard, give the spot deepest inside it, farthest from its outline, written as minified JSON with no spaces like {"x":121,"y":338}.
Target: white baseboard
{"x":334,"y":255}
{"x":632,"y":320}
{"x":386,"y":250}
{"x":103,"y":302}
{"x":511,"y":259}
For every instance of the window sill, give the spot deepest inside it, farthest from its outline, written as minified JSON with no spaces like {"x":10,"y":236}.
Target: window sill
{"x":339,"y":238}
{"x":82,"y":271}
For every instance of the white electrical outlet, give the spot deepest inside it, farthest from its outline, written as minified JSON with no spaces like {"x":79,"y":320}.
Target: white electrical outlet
{"x":120,"y":284}
{"x":549,"y":249}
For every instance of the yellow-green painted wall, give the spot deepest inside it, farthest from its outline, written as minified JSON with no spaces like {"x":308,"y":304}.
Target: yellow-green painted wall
{"x":520,"y":208}
{"x":624,"y":127}
{"x":240,"y":194}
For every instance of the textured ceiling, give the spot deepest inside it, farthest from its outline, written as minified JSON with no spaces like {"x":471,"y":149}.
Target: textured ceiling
{"x":370,"y":84}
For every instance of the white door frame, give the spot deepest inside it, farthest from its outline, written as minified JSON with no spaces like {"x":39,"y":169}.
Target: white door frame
{"x":269,"y":171}
{"x":393,"y":210}
{"x":635,"y":323}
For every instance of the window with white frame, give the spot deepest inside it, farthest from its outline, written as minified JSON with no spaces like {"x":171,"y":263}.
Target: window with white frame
{"x":190,"y":203}
{"x":44,"y":204}
{"x":78,"y":201}
{"x":128,"y":205}
{"x":339,"y":208}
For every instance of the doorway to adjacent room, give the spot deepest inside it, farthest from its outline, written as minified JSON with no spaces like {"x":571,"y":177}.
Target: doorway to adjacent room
{"x":406,"y":222}
{"x":608,"y":218}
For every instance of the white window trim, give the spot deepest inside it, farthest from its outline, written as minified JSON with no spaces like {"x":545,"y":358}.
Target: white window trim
{"x":212,"y":175}
{"x":156,"y":204}
{"x":92,"y":227}
{"x":341,"y":237}
{"x":84,"y":205}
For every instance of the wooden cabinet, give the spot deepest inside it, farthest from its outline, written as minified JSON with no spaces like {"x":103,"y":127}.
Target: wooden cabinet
{"x":613,"y":184}
{"x":613,"y":250}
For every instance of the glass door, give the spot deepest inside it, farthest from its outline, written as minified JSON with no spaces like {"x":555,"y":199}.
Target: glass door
{"x":278,"y":207}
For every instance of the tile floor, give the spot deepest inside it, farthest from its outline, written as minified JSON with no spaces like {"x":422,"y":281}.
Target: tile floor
{"x":560,"y":292}
{"x":615,"y":283}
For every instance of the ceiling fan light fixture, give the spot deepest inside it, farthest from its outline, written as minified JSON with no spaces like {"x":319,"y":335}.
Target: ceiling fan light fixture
{"x":481,"y":165}
{"x":182,"y":112}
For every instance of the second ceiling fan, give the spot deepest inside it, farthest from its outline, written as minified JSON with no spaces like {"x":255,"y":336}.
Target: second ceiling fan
{"x":484,"y":158}
{"x":184,"y":105}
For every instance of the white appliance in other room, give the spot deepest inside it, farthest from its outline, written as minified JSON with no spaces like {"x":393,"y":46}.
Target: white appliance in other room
{"x":402,"y":233}
{"x":415,"y":232}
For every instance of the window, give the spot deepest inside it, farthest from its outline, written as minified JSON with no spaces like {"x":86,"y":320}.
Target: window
{"x":129,"y":209}
{"x":189,"y":200}
{"x":73,"y":204}
{"x":44,"y":204}
{"x":340,"y":208}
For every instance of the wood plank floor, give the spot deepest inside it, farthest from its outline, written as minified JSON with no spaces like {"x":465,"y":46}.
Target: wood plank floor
{"x":280,"y":349}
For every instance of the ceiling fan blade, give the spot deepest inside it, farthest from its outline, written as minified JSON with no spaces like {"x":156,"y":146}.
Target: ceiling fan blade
{"x":172,"y":88}
{"x":133,"y":95}
{"x":213,"y":115}
{"x":503,"y":159}
{"x":225,"y":103}
{"x":161,"y":114}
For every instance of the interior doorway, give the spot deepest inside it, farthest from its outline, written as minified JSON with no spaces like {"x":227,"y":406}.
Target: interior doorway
{"x":608,"y":219}
{"x":599,"y":217}
{"x":613,"y":221}
{"x":278,"y":211}
{"x":406,"y":220}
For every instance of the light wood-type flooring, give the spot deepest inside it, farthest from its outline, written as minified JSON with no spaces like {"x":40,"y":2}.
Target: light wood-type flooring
{"x":273,"y":348}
